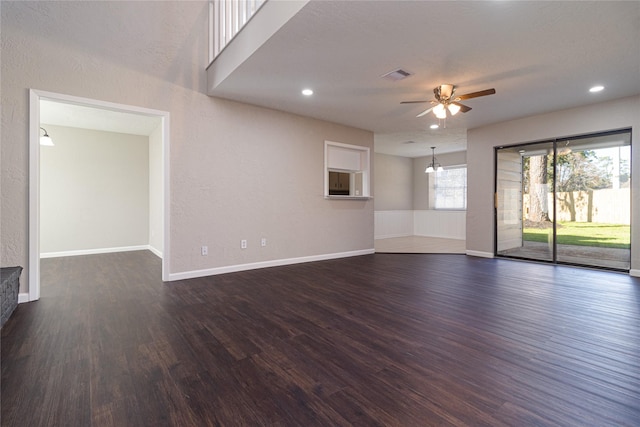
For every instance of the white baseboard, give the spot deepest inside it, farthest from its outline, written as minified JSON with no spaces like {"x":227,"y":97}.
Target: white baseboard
{"x":95,"y":251}
{"x":391,"y":236}
{"x":479,"y":254}
{"x":23,"y":297}
{"x":263,"y":264}
{"x":634,"y":273}
{"x":155,"y":251}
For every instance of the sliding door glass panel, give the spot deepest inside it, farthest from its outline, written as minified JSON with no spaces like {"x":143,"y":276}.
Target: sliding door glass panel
{"x":508,"y":201}
{"x":593,"y":201}
{"x":523,"y":202}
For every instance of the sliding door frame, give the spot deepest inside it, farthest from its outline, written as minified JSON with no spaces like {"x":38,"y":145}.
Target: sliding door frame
{"x":554,"y":142}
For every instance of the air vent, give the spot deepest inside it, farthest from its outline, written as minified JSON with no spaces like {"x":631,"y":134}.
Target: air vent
{"x":396,"y":75}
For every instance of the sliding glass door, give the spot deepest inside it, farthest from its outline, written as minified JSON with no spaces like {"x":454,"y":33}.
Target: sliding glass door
{"x":566,"y":200}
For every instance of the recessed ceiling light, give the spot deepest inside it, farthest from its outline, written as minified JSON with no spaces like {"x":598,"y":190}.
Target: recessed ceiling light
{"x":434,"y":126}
{"x":307,"y":92}
{"x":596,"y":89}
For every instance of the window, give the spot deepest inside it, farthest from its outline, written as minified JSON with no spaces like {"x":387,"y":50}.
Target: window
{"x":450,"y":188}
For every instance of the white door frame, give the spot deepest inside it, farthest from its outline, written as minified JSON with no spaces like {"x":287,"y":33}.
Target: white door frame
{"x":34,"y":175}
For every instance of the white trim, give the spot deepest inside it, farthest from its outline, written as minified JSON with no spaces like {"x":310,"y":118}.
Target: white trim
{"x":22,"y":298}
{"x":95,"y":251}
{"x":34,"y":175}
{"x":392,"y":236}
{"x":33,"y":269}
{"x":166,"y":198}
{"x":155,"y":251}
{"x":479,"y":254}
{"x":263,"y":264}
{"x":634,"y":273}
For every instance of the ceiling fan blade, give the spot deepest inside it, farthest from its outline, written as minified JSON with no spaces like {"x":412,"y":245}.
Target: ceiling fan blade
{"x":475,"y":94}
{"x":463,"y":108}
{"x":425,"y":112}
{"x":413,"y":102}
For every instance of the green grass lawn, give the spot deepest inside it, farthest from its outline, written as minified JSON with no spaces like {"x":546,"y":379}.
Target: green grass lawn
{"x":584,"y":234}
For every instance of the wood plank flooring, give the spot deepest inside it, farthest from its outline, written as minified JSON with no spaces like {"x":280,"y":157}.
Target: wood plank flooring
{"x":376,"y":340}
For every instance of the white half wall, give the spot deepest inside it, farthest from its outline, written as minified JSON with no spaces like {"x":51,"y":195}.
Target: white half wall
{"x":428,"y":223}
{"x":444,"y":224}
{"x":393,"y":224}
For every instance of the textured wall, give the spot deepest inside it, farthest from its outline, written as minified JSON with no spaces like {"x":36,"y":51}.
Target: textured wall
{"x":94,"y":190}
{"x":237,"y":171}
{"x":618,"y":114}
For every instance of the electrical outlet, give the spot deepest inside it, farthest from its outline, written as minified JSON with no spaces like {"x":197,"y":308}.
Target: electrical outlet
{"x":263,"y":242}
{"x":243,"y":244}
{"x":204,"y":251}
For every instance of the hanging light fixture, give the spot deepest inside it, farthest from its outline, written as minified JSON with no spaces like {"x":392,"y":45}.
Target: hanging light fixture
{"x":433,"y":166}
{"x":46,"y":139}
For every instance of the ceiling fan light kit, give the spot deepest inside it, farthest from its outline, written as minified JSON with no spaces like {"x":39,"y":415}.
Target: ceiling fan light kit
{"x":440,"y":111}
{"x":445,"y":99}
{"x":454,"y":109}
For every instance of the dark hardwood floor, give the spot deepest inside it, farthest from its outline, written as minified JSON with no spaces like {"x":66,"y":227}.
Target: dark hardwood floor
{"x":384,"y":339}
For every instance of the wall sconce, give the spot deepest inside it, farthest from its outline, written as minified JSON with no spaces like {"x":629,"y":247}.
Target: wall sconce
{"x":46,"y":139}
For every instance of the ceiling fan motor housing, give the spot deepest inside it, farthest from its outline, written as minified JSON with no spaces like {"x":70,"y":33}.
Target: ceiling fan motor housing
{"x":444,"y":92}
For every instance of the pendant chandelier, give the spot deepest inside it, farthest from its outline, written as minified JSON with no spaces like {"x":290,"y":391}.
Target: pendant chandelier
{"x":433,"y":166}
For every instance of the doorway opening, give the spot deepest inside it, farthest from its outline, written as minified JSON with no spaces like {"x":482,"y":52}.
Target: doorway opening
{"x":73,"y":114}
{"x":566,"y":201}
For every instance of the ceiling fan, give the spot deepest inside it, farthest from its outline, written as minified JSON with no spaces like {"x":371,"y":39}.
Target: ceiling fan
{"x":445,"y":99}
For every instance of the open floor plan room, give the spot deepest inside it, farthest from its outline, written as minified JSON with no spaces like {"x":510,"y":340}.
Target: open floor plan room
{"x":382,"y":339}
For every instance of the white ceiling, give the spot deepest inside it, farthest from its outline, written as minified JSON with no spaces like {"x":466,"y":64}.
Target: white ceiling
{"x":86,"y":117}
{"x":540,"y":56}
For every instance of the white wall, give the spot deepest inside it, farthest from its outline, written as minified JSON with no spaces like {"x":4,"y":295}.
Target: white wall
{"x":401,"y":186}
{"x":94,"y":191}
{"x":394,"y":182}
{"x":236,"y":171}
{"x":428,"y":223}
{"x":619,"y":114}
